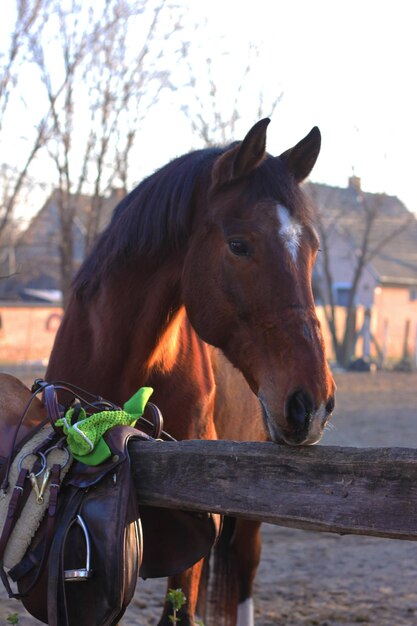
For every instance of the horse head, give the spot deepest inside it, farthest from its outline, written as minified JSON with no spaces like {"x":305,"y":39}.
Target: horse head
{"x":247,"y":282}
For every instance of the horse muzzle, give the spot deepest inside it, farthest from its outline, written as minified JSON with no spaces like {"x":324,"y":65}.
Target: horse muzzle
{"x":302,"y":423}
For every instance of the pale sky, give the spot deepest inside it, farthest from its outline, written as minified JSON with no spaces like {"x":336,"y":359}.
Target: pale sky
{"x":347,"y":66}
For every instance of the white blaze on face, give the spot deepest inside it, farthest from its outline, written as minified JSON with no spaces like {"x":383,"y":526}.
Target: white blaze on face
{"x":290,"y":231}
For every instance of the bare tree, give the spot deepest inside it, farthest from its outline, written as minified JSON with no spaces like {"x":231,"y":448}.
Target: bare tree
{"x":29,"y":22}
{"x":360,"y":231}
{"x":220,"y":99}
{"x":111,"y":73}
{"x":121,"y":93}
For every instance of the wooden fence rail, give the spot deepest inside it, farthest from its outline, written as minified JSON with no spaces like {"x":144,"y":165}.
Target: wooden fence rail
{"x":364,"y":491}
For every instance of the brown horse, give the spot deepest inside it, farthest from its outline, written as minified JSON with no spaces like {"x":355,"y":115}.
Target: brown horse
{"x":215,"y":250}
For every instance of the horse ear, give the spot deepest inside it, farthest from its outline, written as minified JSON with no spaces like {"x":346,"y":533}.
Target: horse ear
{"x":252,"y":149}
{"x":301,"y":158}
{"x":242,"y":158}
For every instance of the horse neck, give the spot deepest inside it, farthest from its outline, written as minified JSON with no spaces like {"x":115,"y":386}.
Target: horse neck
{"x":111,"y":341}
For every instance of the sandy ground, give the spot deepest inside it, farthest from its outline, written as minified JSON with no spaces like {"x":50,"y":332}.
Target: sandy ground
{"x":321,"y":579}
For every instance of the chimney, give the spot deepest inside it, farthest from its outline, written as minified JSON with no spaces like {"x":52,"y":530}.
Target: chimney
{"x":354,"y":183}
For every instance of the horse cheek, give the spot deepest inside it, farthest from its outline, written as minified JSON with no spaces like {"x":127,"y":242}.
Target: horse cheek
{"x":204,"y":302}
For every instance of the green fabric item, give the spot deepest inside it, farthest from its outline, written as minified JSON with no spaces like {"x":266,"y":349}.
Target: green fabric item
{"x":85,"y":437}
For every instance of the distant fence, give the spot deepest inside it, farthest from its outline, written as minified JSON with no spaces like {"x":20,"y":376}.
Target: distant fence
{"x":27,"y":331}
{"x":364,"y":491}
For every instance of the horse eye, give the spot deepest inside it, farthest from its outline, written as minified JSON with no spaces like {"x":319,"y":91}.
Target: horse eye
{"x":239,"y":247}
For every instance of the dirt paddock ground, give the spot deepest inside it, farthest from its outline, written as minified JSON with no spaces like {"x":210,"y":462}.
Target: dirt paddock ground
{"x":321,"y":579}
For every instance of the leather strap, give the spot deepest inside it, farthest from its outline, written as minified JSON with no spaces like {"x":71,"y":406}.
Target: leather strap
{"x":10,"y":523}
{"x":157,"y":420}
{"x":29,"y":561}
{"x":51,"y":403}
{"x":49,"y":531}
{"x":56,"y":596}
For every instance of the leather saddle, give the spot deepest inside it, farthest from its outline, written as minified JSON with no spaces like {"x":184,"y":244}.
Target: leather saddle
{"x":82,"y":565}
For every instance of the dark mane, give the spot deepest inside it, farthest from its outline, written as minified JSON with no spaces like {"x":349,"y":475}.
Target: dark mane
{"x":153,"y":219}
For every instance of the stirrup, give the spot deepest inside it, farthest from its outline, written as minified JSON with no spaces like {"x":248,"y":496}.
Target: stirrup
{"x":84,"y":573}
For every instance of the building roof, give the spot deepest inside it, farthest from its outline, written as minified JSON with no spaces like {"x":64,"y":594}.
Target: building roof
{"x":392,"y":236}
{"x":36,"y":263}
{"x":342,"y":209}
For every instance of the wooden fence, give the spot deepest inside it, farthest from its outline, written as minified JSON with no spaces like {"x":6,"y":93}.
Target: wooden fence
{"x":364,"y":491}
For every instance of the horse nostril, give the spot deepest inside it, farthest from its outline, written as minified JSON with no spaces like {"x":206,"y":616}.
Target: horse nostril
{"x":330,"y":405}
{"x":299,"y":409}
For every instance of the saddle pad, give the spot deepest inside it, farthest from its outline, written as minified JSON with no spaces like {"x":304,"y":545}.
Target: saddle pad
{"x":33,"y":512}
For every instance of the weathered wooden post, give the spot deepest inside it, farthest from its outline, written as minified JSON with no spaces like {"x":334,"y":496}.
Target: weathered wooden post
{"x":364,"y":491}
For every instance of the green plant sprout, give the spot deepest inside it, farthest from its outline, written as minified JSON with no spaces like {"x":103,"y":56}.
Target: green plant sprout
{"x":12,"y":618}
{"x":177,"y":598}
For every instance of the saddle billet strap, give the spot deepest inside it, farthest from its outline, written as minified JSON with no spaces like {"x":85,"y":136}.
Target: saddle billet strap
{"x":11,"y":517}
{"x":40,"y":559}
{"x":50,"y":524}
{"x":33,"y":558}
{"x":10,"y":524}
{"x":26,"y":489}
{"x":19,"y":497}
{"x":5,"y":483}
